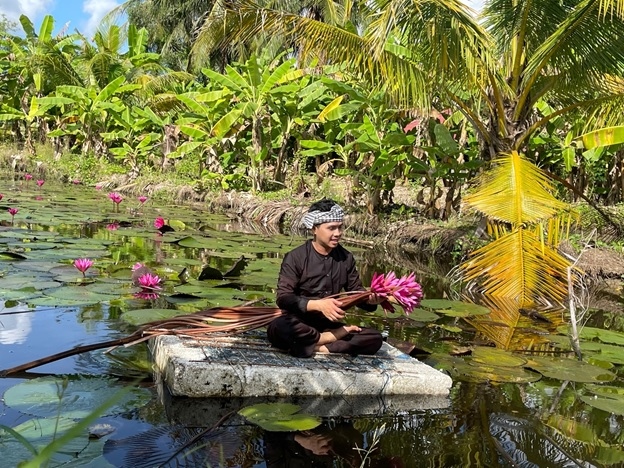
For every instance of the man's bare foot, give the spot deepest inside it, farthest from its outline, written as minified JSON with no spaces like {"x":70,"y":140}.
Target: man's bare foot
{"x":322,"y":349}
{"x":341,"y":332}
{"x":337,"y":334}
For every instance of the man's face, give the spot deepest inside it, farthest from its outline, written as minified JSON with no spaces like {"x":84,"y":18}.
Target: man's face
{"x":328,"y":234}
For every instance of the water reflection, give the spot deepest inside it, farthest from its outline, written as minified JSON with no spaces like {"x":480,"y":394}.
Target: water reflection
{"x":542,"y":423}
{"x":14,"y":326}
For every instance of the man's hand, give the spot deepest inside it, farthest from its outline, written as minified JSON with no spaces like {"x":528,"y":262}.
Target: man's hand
{"x":329,"y":307}
{"x":375,"y":299}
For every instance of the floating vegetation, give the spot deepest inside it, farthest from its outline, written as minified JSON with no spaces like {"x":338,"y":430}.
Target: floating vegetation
{"x":279,"y":417}
{"x":72,"y":398}
{"x":569,"y":369}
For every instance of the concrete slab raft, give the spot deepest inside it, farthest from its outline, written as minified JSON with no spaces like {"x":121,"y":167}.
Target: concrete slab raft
{"x":247,"y":366}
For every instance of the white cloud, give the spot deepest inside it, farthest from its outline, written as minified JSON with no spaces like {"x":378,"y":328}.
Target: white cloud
{"x":96,"y":9}
{"x":31,"y":8}
{"x":476,"y":5}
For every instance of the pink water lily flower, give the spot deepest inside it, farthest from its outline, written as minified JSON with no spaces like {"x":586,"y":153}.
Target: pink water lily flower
{"x":159,"y":222}
{"x":40,"y":182}
{"x":142,"y":199}
{"x":13,"y":212}
{"x":1,"y":196}
{"x":76,"y":182}
{"x":116,"y":198}
{"x":405,"y":290}
{"x":83,"y":264}
{"x":149,"y":281}
{"x":112,"y":226}
{"x":98,"y":186}
{"x":28,"y":176}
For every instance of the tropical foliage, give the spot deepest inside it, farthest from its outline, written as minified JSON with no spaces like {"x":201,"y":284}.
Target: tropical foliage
{"x":424,"y":93}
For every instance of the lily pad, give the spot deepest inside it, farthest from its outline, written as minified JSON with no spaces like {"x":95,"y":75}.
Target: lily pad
{"x":495,"y":357}
{"x":40,"y":432}
{"x":279,"y":417}
{"x":606,"y":336}
{"x":42,"y":266}
{"x":454,"y":308}
{"x":76,"y":398}
{"x":8,"y":255}
{"x":464,"y":370}
{"x":19,"y":294}
{"x":606,"y":391}
{"x":606,"y":352}
{"x":78,"y":294}
{"x":610,"y":405}
{"x":142,"y":316}
{"x":569,"y":369}
{"x":422,"y":315}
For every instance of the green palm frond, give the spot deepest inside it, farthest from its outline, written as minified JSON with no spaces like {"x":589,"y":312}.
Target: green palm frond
{"x":585,"y":46}
{"x":244,"y":20}
{"x":515,"y":191}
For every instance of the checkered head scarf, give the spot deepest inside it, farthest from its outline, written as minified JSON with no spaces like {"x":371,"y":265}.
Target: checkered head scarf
{"x":312,"y":218}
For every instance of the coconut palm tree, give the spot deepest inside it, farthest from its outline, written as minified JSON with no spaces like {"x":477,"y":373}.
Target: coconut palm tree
{"x":172,"y":25}
{"x":522,"y":65}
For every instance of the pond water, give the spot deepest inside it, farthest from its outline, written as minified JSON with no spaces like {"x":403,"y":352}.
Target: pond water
{"x":505,"y":409}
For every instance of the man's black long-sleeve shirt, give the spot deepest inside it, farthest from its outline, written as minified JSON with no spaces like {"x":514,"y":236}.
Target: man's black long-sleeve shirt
{"x":306,"y":274}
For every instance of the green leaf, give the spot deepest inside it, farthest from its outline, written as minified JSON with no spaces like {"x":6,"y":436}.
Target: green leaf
{"x":610,"y":405}
{"x":330,"y":107}
{"x":281,"y":75}
{"x":224,"y":125}
{"x":603,"y":137}
{"x":27,"y":26}
{"x":47,"y":26}
{"x":569,"y":158}
{"x":279,"y":417}
{"x":141,"y":316}
{"x":223,"y":79}
{"x":110,"y":89}
{"x":445,"y":140}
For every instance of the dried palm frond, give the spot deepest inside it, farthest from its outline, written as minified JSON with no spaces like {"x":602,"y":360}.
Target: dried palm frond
{"x":228,"y":320}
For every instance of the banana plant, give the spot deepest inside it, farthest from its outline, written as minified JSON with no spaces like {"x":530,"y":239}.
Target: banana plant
{"x":294,"y":106}
{"x":29,"y":114}
{"x":204,"y":110}
{"x":253,"y":86}
{"x":134,"y":141}
{"x":33,"y":64}
{"x":371,"y":147}
{"x":87,"y":111}
{"x":446,"y":163}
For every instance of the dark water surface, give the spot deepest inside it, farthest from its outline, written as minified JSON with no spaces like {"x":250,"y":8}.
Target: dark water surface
{"x":538,"y":424}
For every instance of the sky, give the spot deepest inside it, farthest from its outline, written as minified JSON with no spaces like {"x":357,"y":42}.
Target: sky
{"x":84,"y":15}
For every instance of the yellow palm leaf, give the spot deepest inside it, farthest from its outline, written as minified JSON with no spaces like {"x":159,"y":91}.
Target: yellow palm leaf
{"x":515,"y":191}
{"x":519,"y":265}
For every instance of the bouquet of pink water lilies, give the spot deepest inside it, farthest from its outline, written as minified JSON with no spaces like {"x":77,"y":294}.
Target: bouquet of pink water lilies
{"x":404,"y":291}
